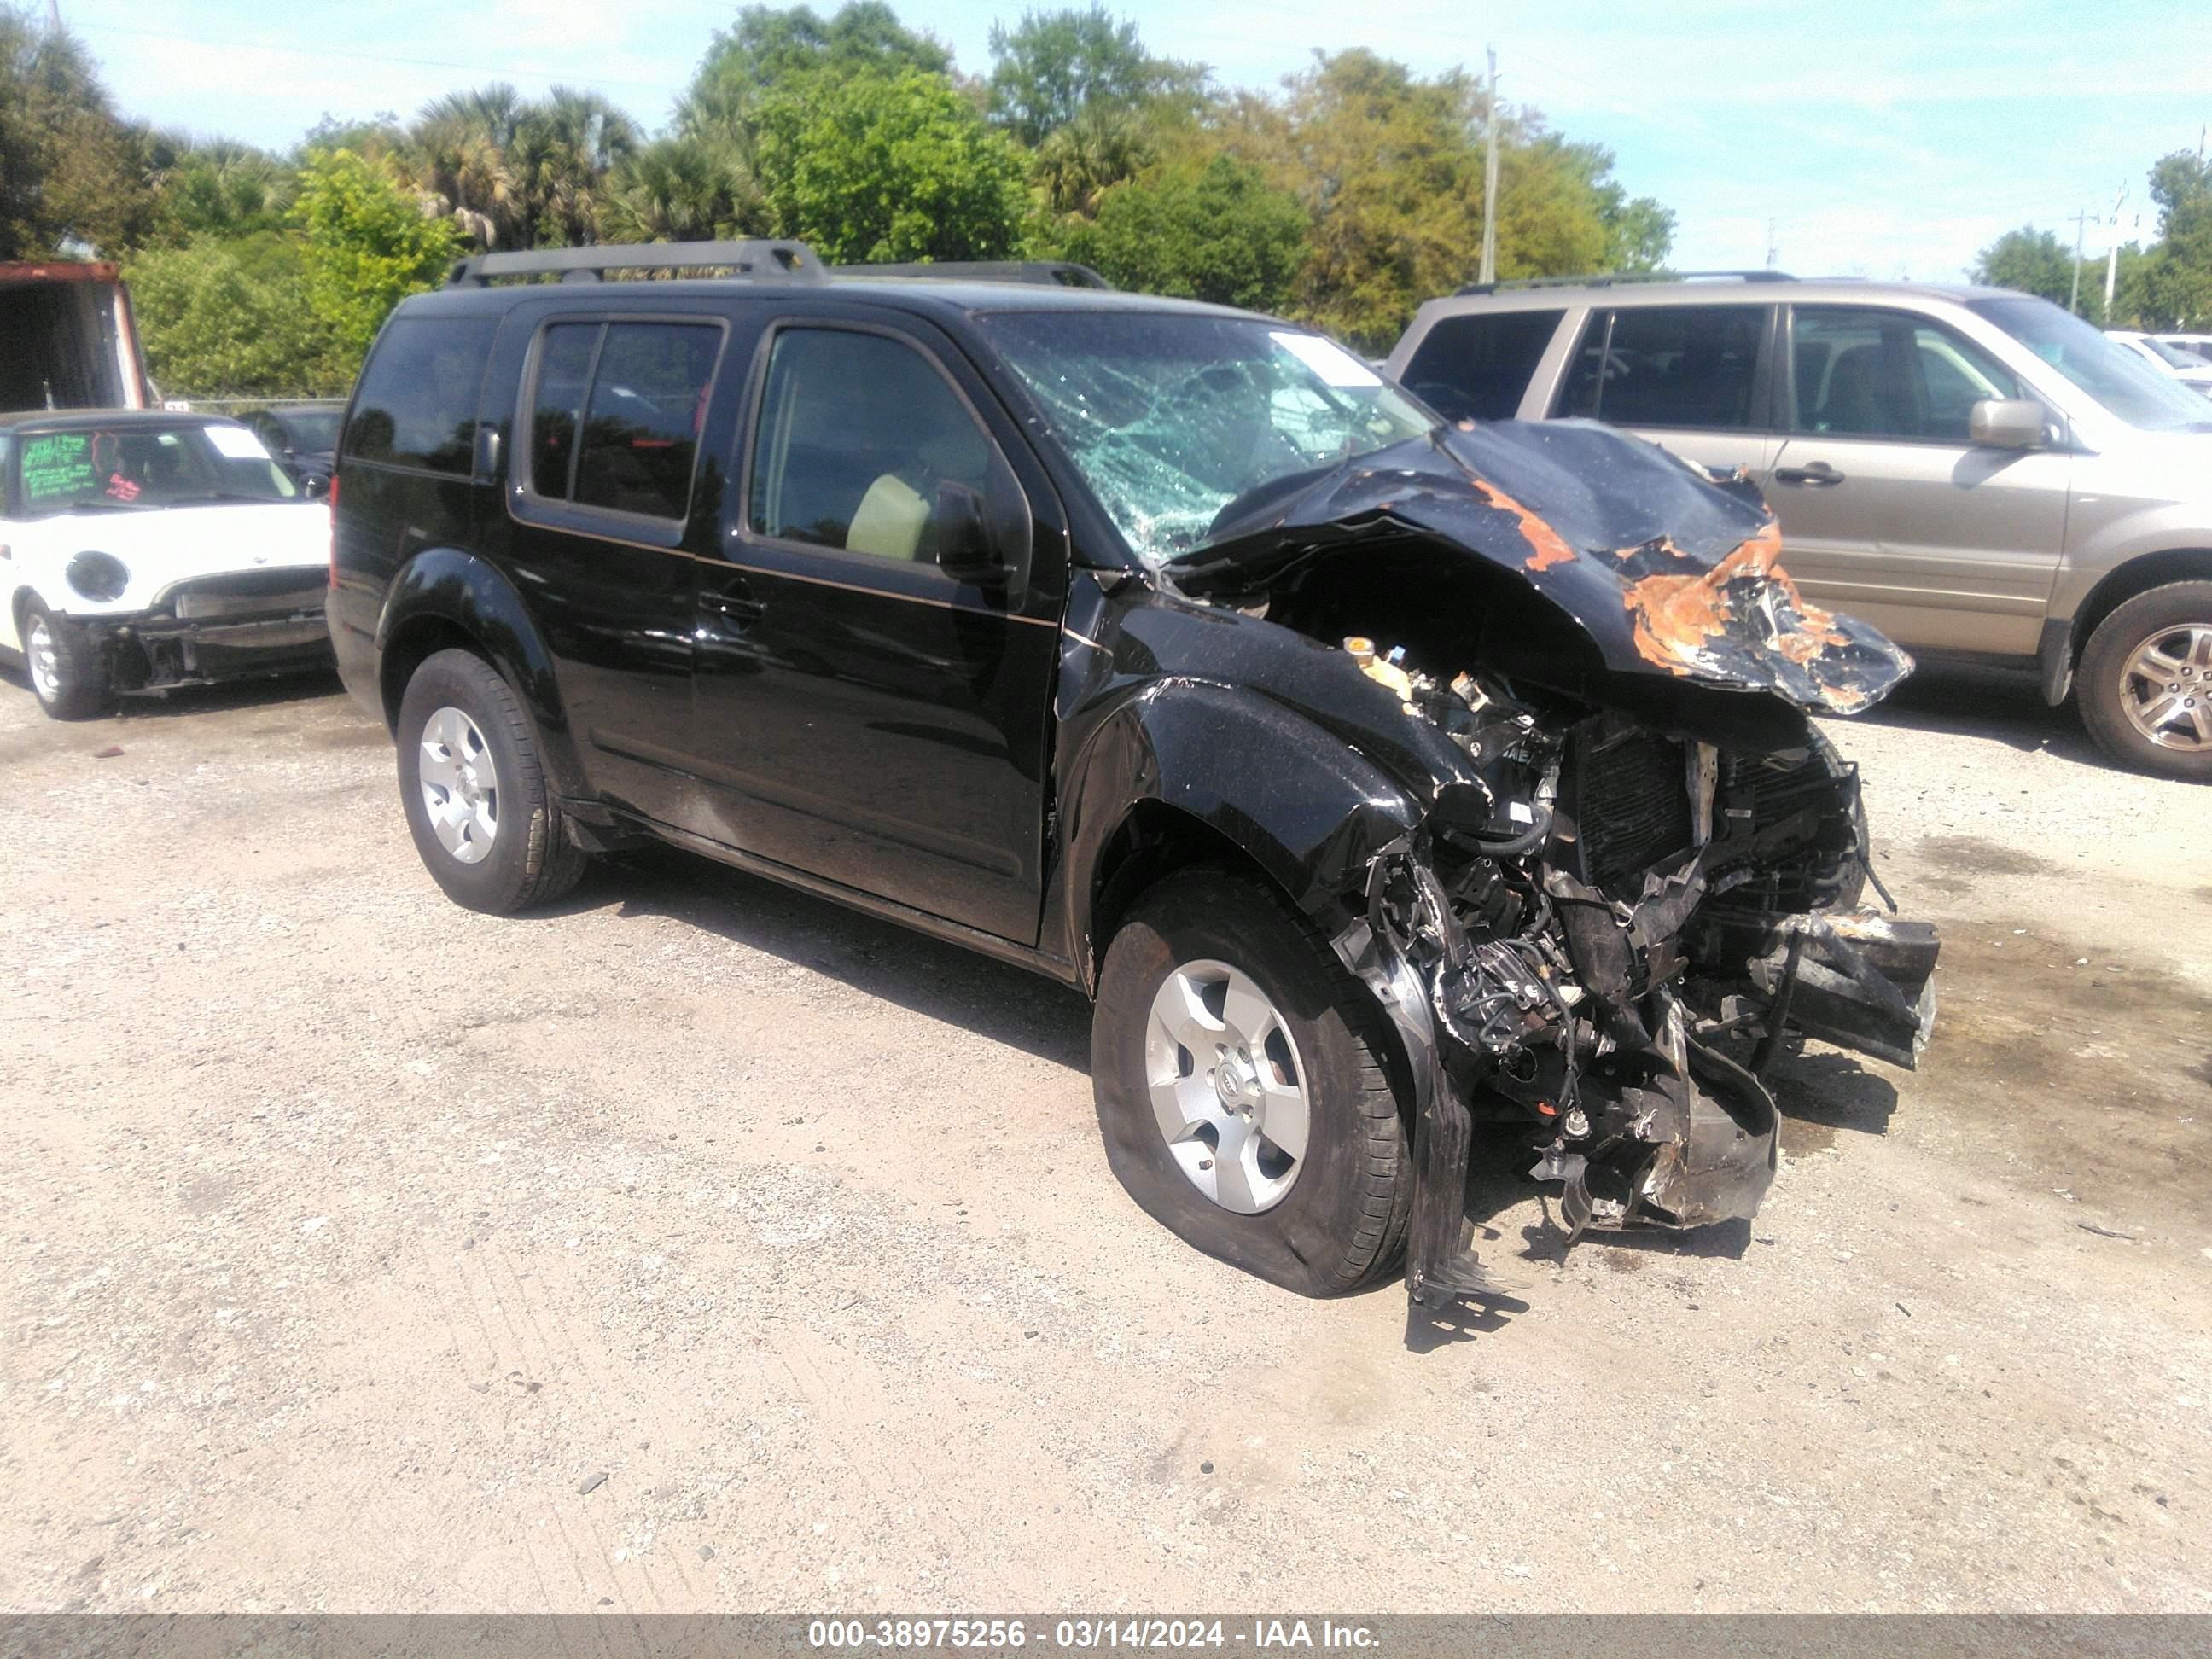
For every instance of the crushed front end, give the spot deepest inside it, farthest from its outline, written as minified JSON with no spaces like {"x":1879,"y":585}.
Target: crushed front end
{"x":1607,"y":940}
{"x":1642,"y":867}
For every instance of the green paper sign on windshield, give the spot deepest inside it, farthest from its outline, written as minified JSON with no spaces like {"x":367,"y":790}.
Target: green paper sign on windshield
{"x":59,"y":463}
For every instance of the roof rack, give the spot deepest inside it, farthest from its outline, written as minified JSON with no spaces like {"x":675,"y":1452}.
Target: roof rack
{"x":756,"y":260}
{"x":1045,"y":273}
{"x":1609,"y":279}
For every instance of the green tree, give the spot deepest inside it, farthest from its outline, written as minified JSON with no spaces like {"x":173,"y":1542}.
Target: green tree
{"x":2033,"y":261}
{"x":1386,"y":165}
{"x":684,"y":189}
{"x":364,"y":246}
{"x":1101,"y":146}
{"x":1389,"y":164}
{"x":1053,"y":66}
{"x":872,"y":168}
{"x":772,"y":50}
{"x":1199,"y":229}
{"x":2175,"y":288}
{"x":230,"y":317}
{"x":74,"y":177}
{"x":219,"y":188}
{"x":565,"y":154}
{"x":511,"y":172}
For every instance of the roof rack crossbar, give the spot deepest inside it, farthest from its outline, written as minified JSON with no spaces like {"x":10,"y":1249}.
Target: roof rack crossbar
{"x":754,"y":259}
{"x":1046,"y":273}
{"x":1608,"y":279}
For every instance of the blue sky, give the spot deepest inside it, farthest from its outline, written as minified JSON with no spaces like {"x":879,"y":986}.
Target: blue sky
{"x":1883,"y":138}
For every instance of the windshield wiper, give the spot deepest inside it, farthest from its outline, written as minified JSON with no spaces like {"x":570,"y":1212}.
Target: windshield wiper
{"x":103,"y":504}
{"x":232,"y":495}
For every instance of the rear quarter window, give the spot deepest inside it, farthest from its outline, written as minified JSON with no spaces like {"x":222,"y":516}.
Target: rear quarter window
{"x":1478,"y":367}
{"x":416,"y":403}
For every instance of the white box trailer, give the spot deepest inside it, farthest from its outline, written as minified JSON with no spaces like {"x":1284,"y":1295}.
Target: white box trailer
{"x":67,"y":340}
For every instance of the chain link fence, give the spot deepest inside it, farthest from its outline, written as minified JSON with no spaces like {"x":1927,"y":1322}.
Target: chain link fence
{"x":238,"y":406}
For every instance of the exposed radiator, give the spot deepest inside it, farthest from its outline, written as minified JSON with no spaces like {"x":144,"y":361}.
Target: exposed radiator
{"x":1633,"y":807}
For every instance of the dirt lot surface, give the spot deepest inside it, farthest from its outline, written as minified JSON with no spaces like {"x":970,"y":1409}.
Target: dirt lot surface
{"x":702,"y":1245}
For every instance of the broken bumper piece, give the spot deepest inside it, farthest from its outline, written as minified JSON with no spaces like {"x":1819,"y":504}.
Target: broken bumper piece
{"x":1864,"y":982}
{"x":1715,"y":1164}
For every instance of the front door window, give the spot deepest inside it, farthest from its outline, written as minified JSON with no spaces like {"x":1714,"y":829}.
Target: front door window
{"x":860,"y":437}
{"x":1866,"y":373}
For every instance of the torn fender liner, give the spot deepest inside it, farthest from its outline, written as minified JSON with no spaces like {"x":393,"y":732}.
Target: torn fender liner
{"x":1668,"y":571}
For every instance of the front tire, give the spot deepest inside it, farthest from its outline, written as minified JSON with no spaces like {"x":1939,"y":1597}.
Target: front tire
{"x":2146,"y":682}
{"x":1243,"y":1086}
{"x":475,"y":793}
{"x":66,"y":671}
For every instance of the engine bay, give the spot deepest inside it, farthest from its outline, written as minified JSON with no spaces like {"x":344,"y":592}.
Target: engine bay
{"x":1610,"y":929}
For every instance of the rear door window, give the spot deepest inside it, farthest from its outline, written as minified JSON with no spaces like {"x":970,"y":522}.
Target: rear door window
{"x":1478,"y":367}
{"x":416,"y":403}
{"x":615,"y":413}
{"x":1694,"y":367}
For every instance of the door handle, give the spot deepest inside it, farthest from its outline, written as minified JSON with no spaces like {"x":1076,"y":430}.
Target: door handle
{"x":1819,"y":475}
{"x":735,"y":605}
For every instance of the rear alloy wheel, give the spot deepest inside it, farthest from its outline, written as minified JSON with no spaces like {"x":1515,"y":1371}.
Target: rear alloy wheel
{"x":2147,"y":681}
{"x":1243,"y":1084}
{"x":475,"y":793}
{"x":67,"y":675}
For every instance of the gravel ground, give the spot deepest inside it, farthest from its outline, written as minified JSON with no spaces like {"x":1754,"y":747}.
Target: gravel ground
{"x":704,"y":1246}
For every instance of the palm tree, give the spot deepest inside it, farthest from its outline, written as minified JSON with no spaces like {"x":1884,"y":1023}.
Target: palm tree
{"x":1101,"y":146}
{"x":563,"y":150}
{"x":457,"y":158}
{"x":682,"y":190}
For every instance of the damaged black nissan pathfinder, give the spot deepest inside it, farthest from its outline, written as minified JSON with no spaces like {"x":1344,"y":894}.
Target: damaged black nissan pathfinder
{"x":1376,"y":776}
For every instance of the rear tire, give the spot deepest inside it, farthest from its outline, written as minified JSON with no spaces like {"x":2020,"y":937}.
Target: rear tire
{"x":1329,"y":1221}
{"x":475,"y":793}
{"x":66,"y":671}
{"x":2148,"y":671}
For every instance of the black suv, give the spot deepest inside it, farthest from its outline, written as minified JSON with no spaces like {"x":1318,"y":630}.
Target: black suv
{"x":1375,"y":773}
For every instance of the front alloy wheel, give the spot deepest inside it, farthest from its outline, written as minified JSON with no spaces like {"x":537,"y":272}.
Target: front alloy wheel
{"x":1244,"y":1088}
{"x":1226,"y":1086}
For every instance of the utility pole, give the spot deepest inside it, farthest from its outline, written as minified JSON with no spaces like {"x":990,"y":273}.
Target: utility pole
{"x":1489,"y":180}
{"x":54,"y":15}
{"x":1773,"y":251}
{"x":2073,"y":304}
{"x":2112,"y":259}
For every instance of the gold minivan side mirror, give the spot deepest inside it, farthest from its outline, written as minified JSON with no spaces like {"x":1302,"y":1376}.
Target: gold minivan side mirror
{"x":2006,"y":423}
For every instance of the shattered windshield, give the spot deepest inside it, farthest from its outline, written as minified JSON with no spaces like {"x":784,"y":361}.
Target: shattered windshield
{"x":1169,"y":418}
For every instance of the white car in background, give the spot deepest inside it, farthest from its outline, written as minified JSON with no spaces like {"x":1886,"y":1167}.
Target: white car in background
{"x":2184,"y":365}
{"x":142,"y":550}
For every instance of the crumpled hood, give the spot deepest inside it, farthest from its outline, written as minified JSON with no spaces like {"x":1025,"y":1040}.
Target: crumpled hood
{"x":1668,"y":571}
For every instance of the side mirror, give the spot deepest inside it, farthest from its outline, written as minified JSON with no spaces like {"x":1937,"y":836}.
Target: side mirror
{"x":2006,"y":423}
{"x":315,"y":486}
{"x":964,"y":542}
